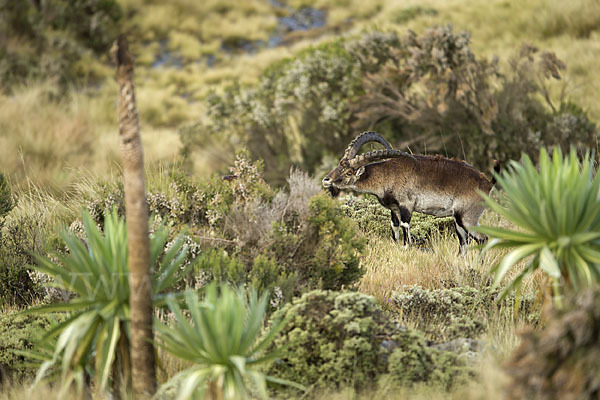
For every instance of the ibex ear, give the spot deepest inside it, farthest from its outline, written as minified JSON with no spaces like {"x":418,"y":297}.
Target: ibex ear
{"x":359,"y":172}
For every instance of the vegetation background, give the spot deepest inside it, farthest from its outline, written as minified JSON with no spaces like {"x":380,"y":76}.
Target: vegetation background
{"x":58,"y":85}
{"x":272,"y":92}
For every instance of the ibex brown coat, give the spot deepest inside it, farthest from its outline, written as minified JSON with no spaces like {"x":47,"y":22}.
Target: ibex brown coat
{"x":405,"y":183}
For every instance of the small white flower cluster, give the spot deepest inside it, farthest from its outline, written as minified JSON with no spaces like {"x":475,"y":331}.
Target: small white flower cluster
{"x":276,"y":297}
{"x":78,"y":229}
{"x":51,"y":294}
{"x":160,"y":203}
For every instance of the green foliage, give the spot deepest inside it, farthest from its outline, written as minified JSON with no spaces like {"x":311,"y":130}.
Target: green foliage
{"x":325,"y":253}
{"x":283,"y":118}
{"x":19,"y":332}
{"x":374,"y":220}
{"x":222,"y":337}
{"x":20,"y":237}
{"x":6,"y":201}
{"x":460,"y":312}
{"x":557,"y":212}
{"x":428,"y":91}
{"x":332,"y":340}
{"x":53,"y":37}
{"x":264,"y":274}
{"x":414,"y":362}
{"x":16,"y":287}
{"x":219,"y":266}
{"x":435,"y":95}
{"x":409,"y":13}
{"x":95,"y":335}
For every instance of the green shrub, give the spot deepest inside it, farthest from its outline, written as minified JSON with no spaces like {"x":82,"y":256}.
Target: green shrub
{"x":426,"y":91}
{"x":54,"y":35}
{"x":6,"y":201}
{"x":334,"y":340}
{"x":414,"y":362}
{"x":299,"y":110}
{"x":447,"y":314}
{"x":16,"y":286}
{"x":321,"y":251}
{"x":263,"y":275}
{"x":325,"y":253}
{"x":175,"y":198}
{"x":20,"y":332}
{"x":435,"y":95}
{"x":20,"y":237}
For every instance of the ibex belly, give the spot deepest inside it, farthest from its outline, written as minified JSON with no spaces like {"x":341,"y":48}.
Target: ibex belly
{"x":435,"y":204}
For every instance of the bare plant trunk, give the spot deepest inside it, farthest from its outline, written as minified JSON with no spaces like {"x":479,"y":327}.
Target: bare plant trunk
{"x":136,"y":214}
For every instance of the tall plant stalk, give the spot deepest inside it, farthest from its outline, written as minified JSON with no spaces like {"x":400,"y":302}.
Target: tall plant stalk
{"x":136,"y":213}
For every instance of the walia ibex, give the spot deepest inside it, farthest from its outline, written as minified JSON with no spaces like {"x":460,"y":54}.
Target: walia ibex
{"x":405,"y":183}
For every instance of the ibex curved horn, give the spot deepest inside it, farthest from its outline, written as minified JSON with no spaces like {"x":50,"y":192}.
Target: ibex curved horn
{"x":371,"y":156}
{"x":362,"y":139}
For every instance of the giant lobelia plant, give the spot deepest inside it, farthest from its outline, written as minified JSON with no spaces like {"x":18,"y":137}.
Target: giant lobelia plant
{"x":556,"y":210}
{"x":222,"y":336}
{"x":93,"y":342}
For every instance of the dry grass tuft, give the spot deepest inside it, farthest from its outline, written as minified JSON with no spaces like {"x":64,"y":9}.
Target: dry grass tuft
{"x":46,"y":143}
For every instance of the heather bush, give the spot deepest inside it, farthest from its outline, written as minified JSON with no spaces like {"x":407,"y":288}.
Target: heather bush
{"x":6,"y":200}
{"x":336,"y":340}
{"x":413,"y":361}
{"x":20,"y":236}
{"x":299,"y":110}
{"x":434,"y":94}
{"x":19,"y":332}
{"x":459,"y":312}
{"x":246,"y":232}
{"x":324,"y":249}
{"x":427,"y":91}
{"x":54,"y":36}
{"x":332,"y":340}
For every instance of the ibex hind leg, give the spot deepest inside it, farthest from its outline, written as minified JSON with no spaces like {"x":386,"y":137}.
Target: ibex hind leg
{"x":466,"y":222}
{"x":463,"y":237}
{"x":471,"y":219}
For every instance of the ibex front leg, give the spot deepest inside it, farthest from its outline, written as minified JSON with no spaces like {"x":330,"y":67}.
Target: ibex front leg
{"x":404,"y":222}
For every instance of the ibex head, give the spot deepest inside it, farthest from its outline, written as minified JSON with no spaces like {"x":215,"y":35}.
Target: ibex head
{"x":351,"y":167}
